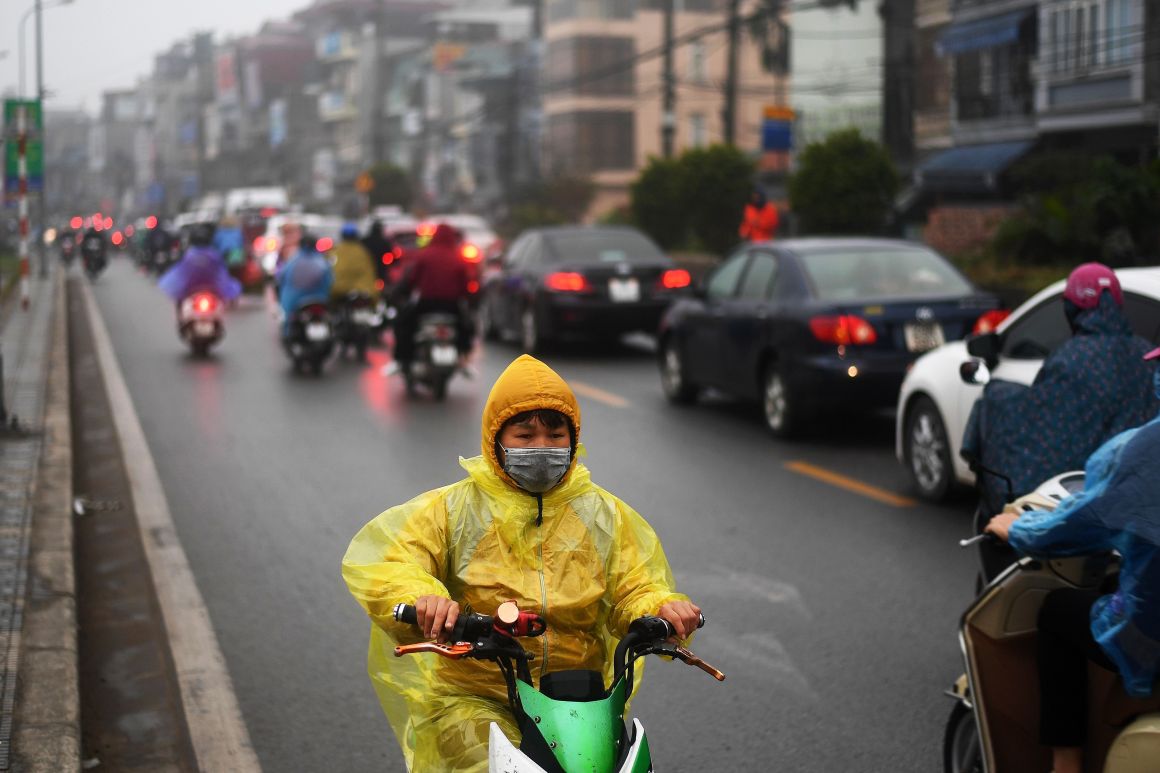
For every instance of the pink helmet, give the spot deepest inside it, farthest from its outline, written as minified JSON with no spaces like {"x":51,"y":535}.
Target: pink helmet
{"x":1085,"y":284}
{"x":1153,"y":355}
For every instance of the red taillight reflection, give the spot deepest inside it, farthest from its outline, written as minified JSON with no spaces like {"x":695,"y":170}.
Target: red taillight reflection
{"x":566,"y":282}
{"x":117,"y":239}
{"x":324,"y":244}
{"x":76,"y":223}
{"x":108,"y":223}
{"x":151,"y":222}
{"x":843,"y":330}
{"x":990,"y":320}
{"x":130,"y":230}
{"x":471,"y":253}
{"x":380,"y":284}
{"x":204,"y":302}
{"x":675,"y":278}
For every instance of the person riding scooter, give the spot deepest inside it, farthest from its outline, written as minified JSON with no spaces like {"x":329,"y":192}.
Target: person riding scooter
{"x":200,"y":268}
{"x":1091,"y":388}
{"x":354,"y":270}
{"x":305,"y":278}
{"x":1119,"y":631}
{"x":526,"y":524}
{"x":439,"y":278}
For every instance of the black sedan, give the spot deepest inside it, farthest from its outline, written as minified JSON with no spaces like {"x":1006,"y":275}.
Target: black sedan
{"x":815,"y":325}
{"x":572,"y":282}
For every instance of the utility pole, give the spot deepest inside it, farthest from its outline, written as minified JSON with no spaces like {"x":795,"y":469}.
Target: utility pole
{"x":378,"y":152}
{"x":668,"y":114}
{"x":729,"y":113}
{"x":41,"y":250}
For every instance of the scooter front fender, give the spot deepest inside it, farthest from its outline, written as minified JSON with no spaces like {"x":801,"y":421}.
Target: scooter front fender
{"x":504,"y":757}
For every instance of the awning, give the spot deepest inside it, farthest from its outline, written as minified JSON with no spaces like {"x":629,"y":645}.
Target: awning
{"x":988,"y":32}
{"x":970,"y":168}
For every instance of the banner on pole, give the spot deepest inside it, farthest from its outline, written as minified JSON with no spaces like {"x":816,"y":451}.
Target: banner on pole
{"x":33,"y":147}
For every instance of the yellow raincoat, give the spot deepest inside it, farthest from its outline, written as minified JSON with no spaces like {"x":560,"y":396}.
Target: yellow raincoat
{"x":591,"y":568}
{"x":354,"y":270}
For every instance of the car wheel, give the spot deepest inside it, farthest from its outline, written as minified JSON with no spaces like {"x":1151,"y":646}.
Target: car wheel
{"x":928,"y":454}
{"x":782,"y":414}
{"x":677,"y":388}
{"x":531,"y":337}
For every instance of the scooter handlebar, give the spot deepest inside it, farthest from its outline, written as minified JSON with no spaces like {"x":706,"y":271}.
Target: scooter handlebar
{"x":405,"y":613}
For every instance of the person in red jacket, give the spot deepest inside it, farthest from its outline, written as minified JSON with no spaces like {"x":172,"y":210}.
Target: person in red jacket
{"x":760,"y":221}
{"x":437,"y":281}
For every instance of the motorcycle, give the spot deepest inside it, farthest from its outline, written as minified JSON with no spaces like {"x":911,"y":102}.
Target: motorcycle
{"x":356,"y":322}
{"x":93,"y":256}
{"x":572,"y":722}
{"x":993,"y":726}
{"x":199,"y":321}
{"x":68,"y":248}
{"x":436,"y":357}
{"x":310,"y":341}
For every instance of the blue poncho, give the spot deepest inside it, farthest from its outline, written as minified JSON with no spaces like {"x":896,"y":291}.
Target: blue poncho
{"x":306,"y":278}
{"x":1090,"y":389}
{"x":1118,"y":509}
{"x":201,"y":268}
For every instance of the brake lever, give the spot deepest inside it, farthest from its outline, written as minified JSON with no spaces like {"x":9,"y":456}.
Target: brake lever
{"x":686,"y":656}
{"x":452,"y":651}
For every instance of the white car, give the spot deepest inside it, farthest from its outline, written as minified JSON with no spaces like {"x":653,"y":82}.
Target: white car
{"x":475,"y":230}
{"x":935,"y":404}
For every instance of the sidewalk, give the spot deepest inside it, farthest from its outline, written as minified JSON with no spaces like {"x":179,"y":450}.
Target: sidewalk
{"x":39,"y":701}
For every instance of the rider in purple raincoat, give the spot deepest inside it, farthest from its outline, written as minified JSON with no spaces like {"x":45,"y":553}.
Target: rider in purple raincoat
{"x":200,"y":268}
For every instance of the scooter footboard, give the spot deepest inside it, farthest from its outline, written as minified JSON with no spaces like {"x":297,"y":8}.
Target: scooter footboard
{"x":504,"y":757}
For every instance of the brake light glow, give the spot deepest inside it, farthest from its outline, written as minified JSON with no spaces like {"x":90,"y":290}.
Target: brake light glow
{"x":324,"y":244}
{"x":204,"y":302}
{"x":380,"y":284}
{"x":566,"y":282}
{"x":990,"y":320}
{"x":268,"y":211}
{"x":108,"y":223}
{"x":388,"y":258}
{"x":426,"y":229}
{"x":130,"y":230}
{"x":76,"y":223}
{"x":473,"y":287}
{"x":471,"y":253}
{"x":843,"y":330}
{"x":151,"y":222}
{"x":117,"y":239}
{"x":675,"y":278}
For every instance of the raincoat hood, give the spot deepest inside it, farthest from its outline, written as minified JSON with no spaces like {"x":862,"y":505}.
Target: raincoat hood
{"x":1107,"y":318}
{"x":446,"y":236}
{"x":526,"y":385}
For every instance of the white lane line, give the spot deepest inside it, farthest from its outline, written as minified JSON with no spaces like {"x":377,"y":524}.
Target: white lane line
{"x":598,"y":394}
{"x":220,"y":739}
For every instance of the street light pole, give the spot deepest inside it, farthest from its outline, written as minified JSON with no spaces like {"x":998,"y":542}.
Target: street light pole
{"x":41,"y":247}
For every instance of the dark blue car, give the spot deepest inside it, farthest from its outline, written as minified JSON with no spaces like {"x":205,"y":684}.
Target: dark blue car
{"x":812,"y":325}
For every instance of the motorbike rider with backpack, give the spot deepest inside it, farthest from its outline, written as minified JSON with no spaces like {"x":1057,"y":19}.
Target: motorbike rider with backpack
{"x":526,"y":524}
{"x":1119,"y":631}
{"x":439,"y":277}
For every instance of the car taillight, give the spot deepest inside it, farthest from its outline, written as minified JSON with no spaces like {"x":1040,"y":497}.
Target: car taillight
{"x":388,"y":258}
{"x":380,"y":284}
{"x":267,"y":243}
{"x":204,"y":302}
{"x":989,"y":321}
{"x":324,"y":244}
{"x":675,"y":278}
{"x":566,"y":282}
{"x":471,"y":253}
{"x":843,"y":330}
{"x":473,"y":287}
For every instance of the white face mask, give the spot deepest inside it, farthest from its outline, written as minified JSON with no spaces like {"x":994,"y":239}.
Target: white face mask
{"x":537,"y":469}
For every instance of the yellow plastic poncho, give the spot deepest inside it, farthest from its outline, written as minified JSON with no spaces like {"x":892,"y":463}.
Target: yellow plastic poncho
{"x":591,"y":568}
{"x":354,"y":270}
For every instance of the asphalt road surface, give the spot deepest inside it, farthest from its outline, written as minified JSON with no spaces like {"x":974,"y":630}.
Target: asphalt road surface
{"x":832,"y":611}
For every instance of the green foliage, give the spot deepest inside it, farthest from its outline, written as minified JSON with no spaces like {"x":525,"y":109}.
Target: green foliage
{"x":1077,"y":208}
{"x":621,"y":215}
{"x":696,"y":199}
{"x":843,"y":185}
{"x":554,"y":201}
{"x":392,"y":186}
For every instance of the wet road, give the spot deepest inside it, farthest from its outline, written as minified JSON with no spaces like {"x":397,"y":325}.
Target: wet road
{"x":832,"y":613}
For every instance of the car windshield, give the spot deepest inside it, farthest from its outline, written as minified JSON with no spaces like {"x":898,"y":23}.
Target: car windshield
{"x":603,"y":247}
{"x":464,"y":222}
{"x":855,"y":273}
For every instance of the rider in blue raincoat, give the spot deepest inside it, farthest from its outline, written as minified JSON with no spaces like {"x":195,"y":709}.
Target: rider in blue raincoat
{"x":200,"y":268}
{"x":1091,"y":388}
{"x":1119,"y":509}
{"x":305,"y":278}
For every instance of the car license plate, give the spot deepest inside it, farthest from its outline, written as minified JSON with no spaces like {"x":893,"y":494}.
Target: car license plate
{"x":924,"y":336}
{"x":443,"y":354}
{"x":624,"y":290}
{"x":204,"y":329}
{"x":317,"y":331}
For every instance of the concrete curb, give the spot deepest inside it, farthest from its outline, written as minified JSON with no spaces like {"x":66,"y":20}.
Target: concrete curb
{"x":47,"y":734}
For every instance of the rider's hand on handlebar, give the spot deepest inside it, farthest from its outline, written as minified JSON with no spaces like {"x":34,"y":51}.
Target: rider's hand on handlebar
{"x":1000,"y":525}
{"x":435,"y":615}
{"x":684,"y":616}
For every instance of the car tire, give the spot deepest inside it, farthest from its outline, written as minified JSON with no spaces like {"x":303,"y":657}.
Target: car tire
{"x":675,"y":384}
{"x":927,"y":451}
{"x":780,"y":409}
{"x":531,"y":333}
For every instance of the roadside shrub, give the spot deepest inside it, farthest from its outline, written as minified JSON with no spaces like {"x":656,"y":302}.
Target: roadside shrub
{"x":554,"y":201}
{"x":843,"y":185}
{"x":392,"y":186}
{"x":659,"y":203}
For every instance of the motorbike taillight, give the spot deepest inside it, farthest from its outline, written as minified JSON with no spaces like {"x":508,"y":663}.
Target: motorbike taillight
{"x":443,"y":333}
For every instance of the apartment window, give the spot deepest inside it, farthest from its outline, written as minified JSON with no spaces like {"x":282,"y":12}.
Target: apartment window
{"x":697,"y":69}
{"x":592,"y":66}
{"x":698,"y":136}
{"x":932,"y":90}
{"x":1086,"y":34}
{"x":592,"y":141}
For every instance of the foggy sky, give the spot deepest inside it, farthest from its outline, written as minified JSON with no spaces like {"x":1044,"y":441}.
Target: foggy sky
{"x":91,"y":46}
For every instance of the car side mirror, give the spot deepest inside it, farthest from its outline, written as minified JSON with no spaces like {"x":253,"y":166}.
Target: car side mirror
{"x":985,"y":346}
{"x":974,"y":372}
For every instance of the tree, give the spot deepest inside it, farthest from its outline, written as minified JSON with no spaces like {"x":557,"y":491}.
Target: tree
{"x":844,"y":185}
{"x":555,"y":201}
{"x":659,"y":202}
{"x":392,"y":186}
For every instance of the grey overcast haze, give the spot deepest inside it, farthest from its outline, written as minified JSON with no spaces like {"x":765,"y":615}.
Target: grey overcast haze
{"x":92,"y":46}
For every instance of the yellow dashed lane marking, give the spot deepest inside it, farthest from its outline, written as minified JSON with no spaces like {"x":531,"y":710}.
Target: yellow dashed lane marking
{"x":595,"y":393}
{"x":849,"y":484}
